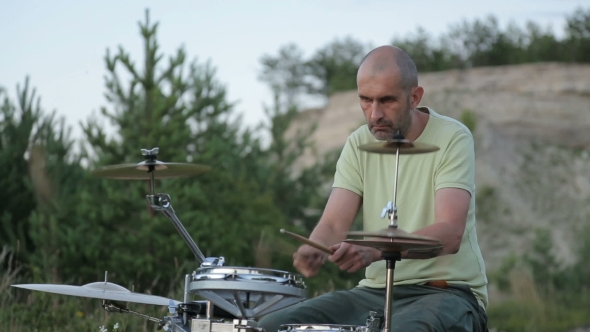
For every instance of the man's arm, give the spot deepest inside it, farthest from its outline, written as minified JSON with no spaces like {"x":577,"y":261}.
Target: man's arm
{"x":451,"y":208}
{"x":342,"y":207}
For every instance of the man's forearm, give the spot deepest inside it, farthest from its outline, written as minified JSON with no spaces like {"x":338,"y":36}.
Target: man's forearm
{"x":326,"y":235}
{"x":446,"y":233}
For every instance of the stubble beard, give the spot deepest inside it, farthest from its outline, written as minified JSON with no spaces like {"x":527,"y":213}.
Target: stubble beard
{"x":402,"y":126}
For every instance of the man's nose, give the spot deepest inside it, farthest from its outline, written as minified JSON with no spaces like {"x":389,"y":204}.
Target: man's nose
{"x":376,"y":112}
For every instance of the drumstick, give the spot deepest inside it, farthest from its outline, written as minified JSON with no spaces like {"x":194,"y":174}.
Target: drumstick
{"x":308,"y":242}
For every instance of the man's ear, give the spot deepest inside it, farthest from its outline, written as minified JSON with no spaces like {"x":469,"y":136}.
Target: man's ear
{"x":416,"y":96}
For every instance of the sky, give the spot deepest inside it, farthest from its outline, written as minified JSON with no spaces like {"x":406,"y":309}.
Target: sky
{"x":61,"y":44}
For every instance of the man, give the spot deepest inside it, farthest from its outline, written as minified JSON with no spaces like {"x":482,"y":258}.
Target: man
{"x":435,"y":198}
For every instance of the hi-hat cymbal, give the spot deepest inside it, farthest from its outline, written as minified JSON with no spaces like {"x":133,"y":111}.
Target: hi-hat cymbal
{"x":139,"y":171}
{"x":405,"y":147}
{"x":392,"y":239}
{"x":100,"y":290}
{"x":393,"y":245}
{"x":390,"y":232}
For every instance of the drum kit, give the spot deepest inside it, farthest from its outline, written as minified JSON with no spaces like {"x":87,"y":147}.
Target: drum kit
{"x":236,"y":297}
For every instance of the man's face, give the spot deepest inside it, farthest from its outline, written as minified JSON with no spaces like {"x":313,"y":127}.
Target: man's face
{"x":385,"y":104}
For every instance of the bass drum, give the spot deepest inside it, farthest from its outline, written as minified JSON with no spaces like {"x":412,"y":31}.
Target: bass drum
{"x":248,"y":292}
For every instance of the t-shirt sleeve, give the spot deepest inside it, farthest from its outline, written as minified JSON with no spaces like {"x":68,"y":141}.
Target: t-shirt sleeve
{"x":348,"y":171}
{"x":457,"y":167}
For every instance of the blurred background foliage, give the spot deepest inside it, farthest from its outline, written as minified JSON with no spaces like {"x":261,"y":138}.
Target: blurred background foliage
{"x":58,"y":224}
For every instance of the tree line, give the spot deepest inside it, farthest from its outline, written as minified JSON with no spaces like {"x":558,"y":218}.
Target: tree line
{"x":468,"y":44}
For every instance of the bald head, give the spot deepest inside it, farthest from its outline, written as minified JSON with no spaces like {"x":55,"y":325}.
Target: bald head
{"x":390,"y":59}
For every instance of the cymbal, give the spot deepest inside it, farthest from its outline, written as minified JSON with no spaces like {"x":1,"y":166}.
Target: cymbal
{"x":139,"y":171}
{"x":390,"y":232}
{"x":424,"y":253}
{"x":100,"y":290}
{"x":405,"y":147}
{"x":391,"y":245}
{"x":392,"y":239}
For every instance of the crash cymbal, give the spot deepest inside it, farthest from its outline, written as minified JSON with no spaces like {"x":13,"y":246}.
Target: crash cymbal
{"x":405,"y":147}
{"x":100,"y":290}
{"x":139,"y":171}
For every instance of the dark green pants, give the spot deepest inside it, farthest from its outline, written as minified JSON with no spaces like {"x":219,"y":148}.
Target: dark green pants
{"x":415,"y":308}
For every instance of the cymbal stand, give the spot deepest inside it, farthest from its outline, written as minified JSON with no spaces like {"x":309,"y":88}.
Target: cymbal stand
{"x":390,"y":258}
{"x":163,"y":203}
{"x":390,"y":211}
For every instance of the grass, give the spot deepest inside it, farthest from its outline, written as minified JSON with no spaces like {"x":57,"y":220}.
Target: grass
{"x":532,"y":309}
{"x":24,"y":310}
{"x":526,"y":309}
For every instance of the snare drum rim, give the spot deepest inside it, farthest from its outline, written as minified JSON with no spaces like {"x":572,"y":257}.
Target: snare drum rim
{"x":202,"y":273}
{"x":320,"y":327}
{"x":220,"y":269}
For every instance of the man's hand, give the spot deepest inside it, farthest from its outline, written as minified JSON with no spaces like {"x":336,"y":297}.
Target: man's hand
{"x":308,"y":260}
{"x":352,"y":258}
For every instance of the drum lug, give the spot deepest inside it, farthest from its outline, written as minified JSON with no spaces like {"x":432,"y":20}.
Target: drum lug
{"x":373,"y":322}
{"x":213,"y":262}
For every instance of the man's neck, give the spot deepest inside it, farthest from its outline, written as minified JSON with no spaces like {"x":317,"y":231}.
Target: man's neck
{"x":419,"y":121}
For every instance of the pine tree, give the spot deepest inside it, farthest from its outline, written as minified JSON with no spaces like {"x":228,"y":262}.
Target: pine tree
{"x":183,"y":110}
{"x":17,"y":198}
{"x":36,"y":151}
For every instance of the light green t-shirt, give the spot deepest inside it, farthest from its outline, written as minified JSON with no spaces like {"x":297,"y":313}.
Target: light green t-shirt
{"x":371,"y":175}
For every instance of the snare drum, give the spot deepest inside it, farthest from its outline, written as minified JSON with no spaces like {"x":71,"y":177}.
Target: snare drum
{"x":322,"y":328}
{"x":248,"y":292}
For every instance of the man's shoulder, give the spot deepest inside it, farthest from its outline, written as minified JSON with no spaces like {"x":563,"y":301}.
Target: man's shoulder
{"x":446,"y":124}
